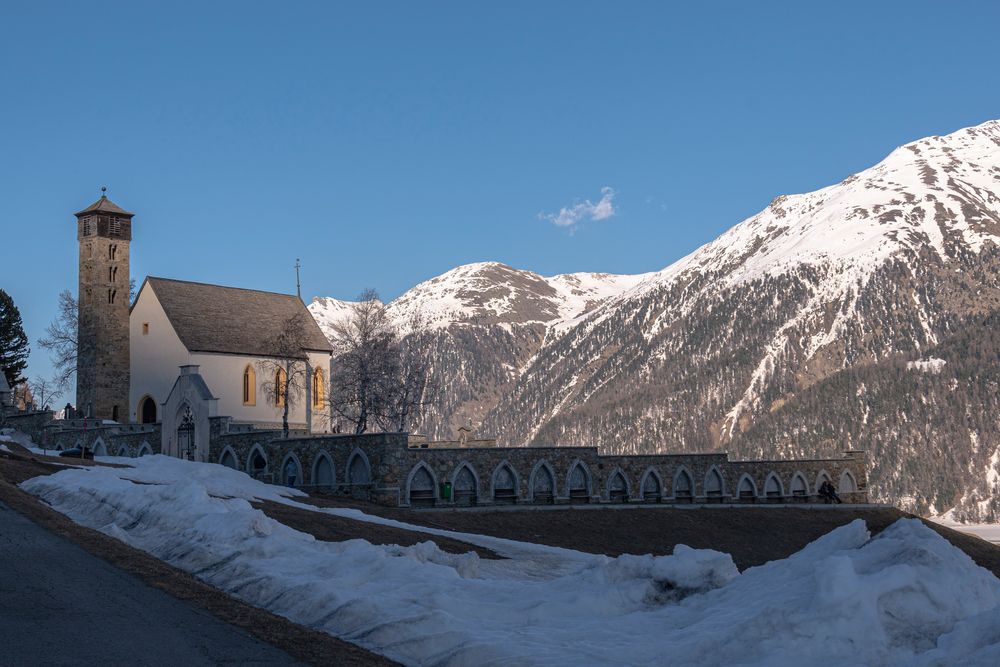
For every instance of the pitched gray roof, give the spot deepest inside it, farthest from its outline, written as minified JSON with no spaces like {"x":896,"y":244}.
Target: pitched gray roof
{"x":104,"y":205}
{"x":231,"y":320}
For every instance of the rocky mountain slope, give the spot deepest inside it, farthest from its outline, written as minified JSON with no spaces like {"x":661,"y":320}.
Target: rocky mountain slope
{"x":831,"y":320}
{"x":479,"y":326}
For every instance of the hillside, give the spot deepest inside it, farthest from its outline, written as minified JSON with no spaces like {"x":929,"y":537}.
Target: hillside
{"x":811,"y":327}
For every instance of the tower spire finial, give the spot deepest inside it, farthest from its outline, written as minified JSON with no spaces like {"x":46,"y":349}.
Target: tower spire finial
{"x":104,"y":192}
{"x":298,"y":284}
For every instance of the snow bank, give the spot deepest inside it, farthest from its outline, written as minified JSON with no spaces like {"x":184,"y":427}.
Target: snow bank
{"x":906,"y":597}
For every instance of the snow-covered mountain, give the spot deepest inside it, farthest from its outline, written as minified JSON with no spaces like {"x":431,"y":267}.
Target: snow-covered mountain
{"x":480,"y":324}
{"x":825,"y":322}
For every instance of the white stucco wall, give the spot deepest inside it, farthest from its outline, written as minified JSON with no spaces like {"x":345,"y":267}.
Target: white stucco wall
{"x":223,"y":373}
{"x":156,"y":357}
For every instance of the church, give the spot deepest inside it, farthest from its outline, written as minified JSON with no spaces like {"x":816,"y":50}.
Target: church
{"x":185,"y":346}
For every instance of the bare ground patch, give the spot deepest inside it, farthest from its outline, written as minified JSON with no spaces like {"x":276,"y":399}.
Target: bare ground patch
{"x":339,"y":529}
{"x":752,"y":536}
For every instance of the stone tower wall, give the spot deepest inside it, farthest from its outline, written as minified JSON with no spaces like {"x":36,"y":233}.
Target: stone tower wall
{"x":103,"y":344}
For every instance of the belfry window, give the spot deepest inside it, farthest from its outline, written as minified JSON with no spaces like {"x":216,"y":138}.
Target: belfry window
{"x":87,"y":226}
{"x":115,"y":228}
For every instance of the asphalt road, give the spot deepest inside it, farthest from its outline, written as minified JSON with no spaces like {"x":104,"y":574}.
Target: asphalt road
{"x":59,"y":605}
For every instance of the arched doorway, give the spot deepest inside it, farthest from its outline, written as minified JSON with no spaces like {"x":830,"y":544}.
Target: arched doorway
{"x":683,"y":487}
{"x":543,"y":485}
{"x":579,"y":484}
{"x":618,"y":488}
{"x":504,"y":486}
{"x":185,"y":436}
{"x":713,"y":486}
{"x":228,"y":459}
{"x":323,"y":472}
{"x":358,"y":470}
{"x":291,"y":471}
{"x":147,"y":410}
{"x":800,"y":489}
{"x":464,"y":487}
{"x":651,"y":489}
{"x":772,"y":489}
{"x":257,"y":463}
{"x":421,"y":487}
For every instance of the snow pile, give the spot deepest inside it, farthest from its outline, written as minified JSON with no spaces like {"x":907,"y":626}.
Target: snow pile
{"x":905,"y":597}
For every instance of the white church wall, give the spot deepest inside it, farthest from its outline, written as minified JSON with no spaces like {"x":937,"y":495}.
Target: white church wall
{"x":156,"y":356}
{"x":223,"y":373}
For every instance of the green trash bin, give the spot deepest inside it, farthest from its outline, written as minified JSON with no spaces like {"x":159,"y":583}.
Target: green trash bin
{"x":446,"y":491}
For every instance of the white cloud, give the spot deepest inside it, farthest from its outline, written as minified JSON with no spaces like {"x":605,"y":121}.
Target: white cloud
{"x":570,"y":216}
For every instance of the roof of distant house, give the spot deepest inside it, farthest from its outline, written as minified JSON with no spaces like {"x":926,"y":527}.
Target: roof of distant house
{"x":104,"y":205}
{"x":232,"y":320}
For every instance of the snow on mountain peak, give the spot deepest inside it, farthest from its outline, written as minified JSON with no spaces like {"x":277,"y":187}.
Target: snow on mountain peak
{"x":489,"y":293}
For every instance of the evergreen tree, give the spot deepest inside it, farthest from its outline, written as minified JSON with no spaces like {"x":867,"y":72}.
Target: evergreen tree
{"x":13,"y":342}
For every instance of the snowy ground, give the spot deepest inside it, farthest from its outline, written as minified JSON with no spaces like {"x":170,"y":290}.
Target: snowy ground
{"x":906,"y":597}
{"x":987,"y":531}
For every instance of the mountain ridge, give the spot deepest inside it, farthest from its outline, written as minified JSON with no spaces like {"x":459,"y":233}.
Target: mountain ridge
{"x":869,"y":272}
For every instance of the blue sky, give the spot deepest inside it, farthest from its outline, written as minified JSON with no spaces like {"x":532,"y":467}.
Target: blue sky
{"x":385,"y":143}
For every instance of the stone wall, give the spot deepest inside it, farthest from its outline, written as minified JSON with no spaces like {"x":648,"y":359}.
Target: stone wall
{"x":113,"y":439}
{"x":103,"y":339}
{"x":31,"y":423}
{"x":387,"y":471}
{"x":385,"y":468}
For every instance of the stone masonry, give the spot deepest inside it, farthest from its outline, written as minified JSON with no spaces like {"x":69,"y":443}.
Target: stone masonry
{"x":102,"y":385}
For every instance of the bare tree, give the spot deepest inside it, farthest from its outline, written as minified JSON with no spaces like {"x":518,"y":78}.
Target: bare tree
{"x":373,"y":384}
{"x":61,"y":340}
{"x":44,"y":390}
{"x":285,"y":371}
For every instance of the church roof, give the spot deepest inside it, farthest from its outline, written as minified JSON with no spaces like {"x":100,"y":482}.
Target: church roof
{"x":103,"y":205}
{"x":231,"y":320}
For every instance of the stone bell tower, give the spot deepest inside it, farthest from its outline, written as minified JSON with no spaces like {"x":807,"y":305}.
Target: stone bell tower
{"x":104,"y":230}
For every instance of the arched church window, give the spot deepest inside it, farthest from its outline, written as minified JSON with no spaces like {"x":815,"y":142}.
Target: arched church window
{"x":280,"y":387}
{"x":318,"y":389}
{"x":112,"y":251}
{"x":249,"y":385}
